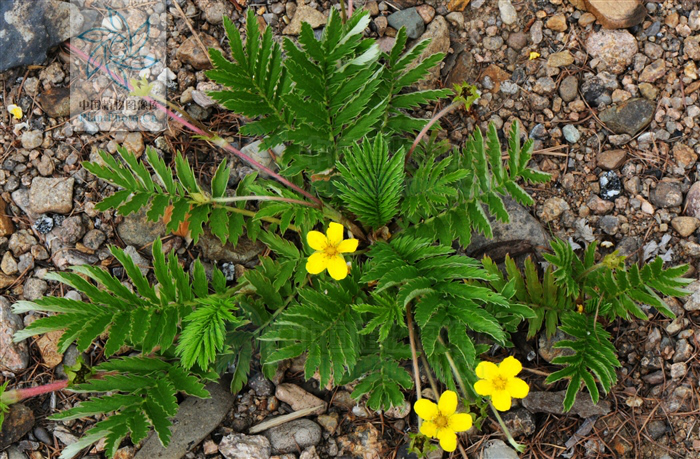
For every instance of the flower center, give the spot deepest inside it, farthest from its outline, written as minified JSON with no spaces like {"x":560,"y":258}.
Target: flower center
{"x":441,"y":422}
{"x":499,"y":383}
{"x":330,"y":251}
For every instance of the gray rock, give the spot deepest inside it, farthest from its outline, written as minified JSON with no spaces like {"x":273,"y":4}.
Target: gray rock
{"x":666,"y":194}
{"x":568,"y":89}
{"x":21,"y":242}
{"x":656,"y":429}
{"x":439,"y":35}
{"x":262,"y":386}
{"x":544,"y":85}
{"x":615,"y":48}
{"x":520,"y":422}
{"x":34,"y":289}
{"x":546,"y":347}
{"x":195,"y":419}
{"x":93,"y":239}
{"x":262,"y":156}
{"x":138,"y":231}
{"x":298,"y":398}
{"x":138,"y":260}
{"x":32,"y":139}
{"x":410,"y":19}
{"x":553,"y":208}
{"x":31,"y":28}
{"x":517,"y":40}
{"x":523,"y":234}
{"x":243,"y":252}
{"x":571,"y":133}
{"x":239,"y":446}
{"x":629,"y":117}
{"x":294,"y":435}
{"x":14,"y":356}
{"x":692,"y":201}
{"x":609,"y":224}
{"x":51,"y":195}
{"x":508,"y":13}
{"x":496,"y":449}
{"x":553,"y":403}
{"x":70,"y":231}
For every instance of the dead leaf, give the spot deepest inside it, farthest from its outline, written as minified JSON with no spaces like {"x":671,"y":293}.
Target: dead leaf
{"x":457,"y":5}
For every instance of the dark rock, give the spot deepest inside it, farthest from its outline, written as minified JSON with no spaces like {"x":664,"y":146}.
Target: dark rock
{"x":592,"y":91}
{"x":629,"y":117}
{"x":553,"y":403}
{"x":524,"y":234}
{"x":18,"y":422}
{"x":666,"y":194}
{"x":609,"y":224}
{"x":56,"y":102}
{"x":410,"y":19}
{"x":656,"y":429}
{"x":546,"y":347}
{"x":29,"y":29}
{"x":692,"y":201}
{"x":262,"y":386}
{"x":610,"y":186}
{"x":43,"y":224}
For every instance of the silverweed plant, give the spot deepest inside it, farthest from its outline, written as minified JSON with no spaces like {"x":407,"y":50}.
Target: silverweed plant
{"x":364,"y":277}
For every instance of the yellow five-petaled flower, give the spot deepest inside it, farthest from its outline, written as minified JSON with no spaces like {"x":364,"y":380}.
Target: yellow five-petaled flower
{"x":499,"y":382}
{"x":15,"y":111}
{"x":441,"y":421}
{"x":329,"y":249}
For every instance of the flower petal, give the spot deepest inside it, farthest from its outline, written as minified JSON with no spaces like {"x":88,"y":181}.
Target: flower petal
{"x":316,"y":263}
{"x":426,"y":409}
{"x":510,"y":367}
{"x":428,"y":428}
{"x":335,"y":234}
{"x":483,"y":387}
{"x":486,"y":370}
{"x":337,"y":267}
{"x":517,"y":388}
{"x":448,"y":440}
{"x":447,"y":403}
{"x":347,"y":246}
{"x":501,"y":400}
{"x":460,"y":422}
{"x":316,"y":240}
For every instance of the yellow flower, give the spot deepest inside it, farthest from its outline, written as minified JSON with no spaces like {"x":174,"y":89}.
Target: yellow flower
{"x":328,"y":251}
{"x":15,"y":111}
{"x":500,"y":382}
{"x":534,"y":55}
{"x":441,"y":421}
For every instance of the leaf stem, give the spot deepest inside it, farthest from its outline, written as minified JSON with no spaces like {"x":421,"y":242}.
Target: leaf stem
{"x":209,"y":135}
{"x":414,"y":355}
{"x":432,"y":121}
{"x":17,"y":395}
{"x":262,"y":198}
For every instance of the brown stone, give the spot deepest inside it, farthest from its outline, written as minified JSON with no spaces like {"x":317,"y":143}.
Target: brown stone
{"x":557,"y":23}
{"x":619,"y":14}
{"x":48,"y":347}
{"x":465,"y":69}
{"x":684,"y":155}
{"x":18,"y":421}
{"x":190,"y":52}
{"x":611,"y":159}
{"x":497,"y":75}
{"x":57,"y":102}
{"x":685,"y":226}
{"x":6,"y":225}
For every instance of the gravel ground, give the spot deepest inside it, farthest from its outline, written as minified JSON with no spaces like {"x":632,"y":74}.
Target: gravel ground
{"x":613,"y":114}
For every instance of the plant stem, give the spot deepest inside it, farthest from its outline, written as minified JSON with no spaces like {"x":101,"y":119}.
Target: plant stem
{"x":208,"y":135}
{"x":17,"y":395}
{"x":262,"y":198}
{"x":414,"y":355}
{"x":518,"y":447}
{"x":251,"y":214}
{"x":432,"y":121}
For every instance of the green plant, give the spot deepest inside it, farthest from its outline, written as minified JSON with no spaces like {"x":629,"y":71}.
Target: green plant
{"x":340,"y":106}
{"x":573,"y":293}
